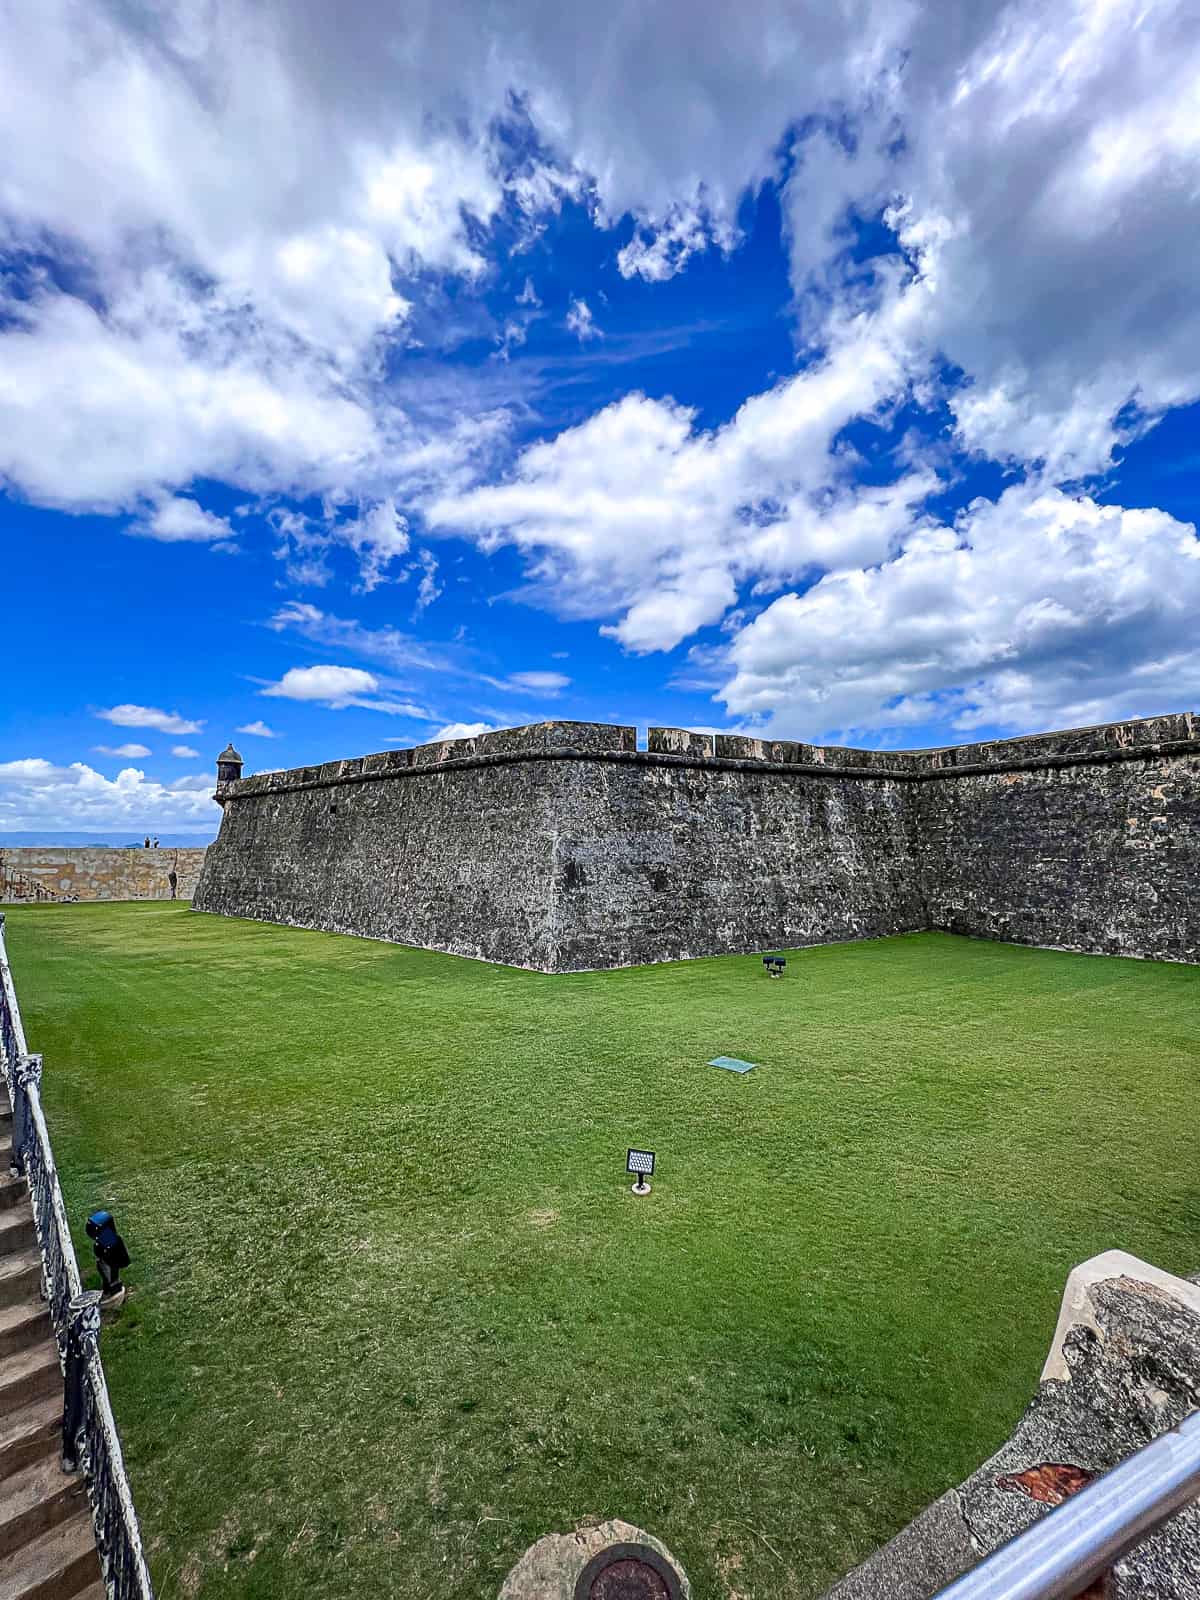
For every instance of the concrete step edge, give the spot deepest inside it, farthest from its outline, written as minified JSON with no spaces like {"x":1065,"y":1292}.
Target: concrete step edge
{"x":30,"y":1432}
{"x":29,"y":1374}
{"x":54,"y":1566}
{"x":21,"y":1278}
{"x":22,"y":1324}
{"x":38,"y":1498}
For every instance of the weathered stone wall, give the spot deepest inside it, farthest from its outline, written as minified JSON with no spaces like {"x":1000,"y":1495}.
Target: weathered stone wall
{"x":562,"y":847}
{"x":35,"y":873}
{"x":1123,"y":1369}
{"x":655,"y":862}
{"x":1083,"y":841}
{"x":431,"y":847}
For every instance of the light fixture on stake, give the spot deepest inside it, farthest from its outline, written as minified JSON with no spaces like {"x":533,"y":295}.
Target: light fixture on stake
{"x":641,"y":1164}
{"x":111,"y":1256}
{"x":774,"y":966}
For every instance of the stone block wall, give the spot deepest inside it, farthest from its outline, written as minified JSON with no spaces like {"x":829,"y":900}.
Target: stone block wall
{"x":33,"y":874}
{"x":1083,"y":841}
{"x":1123,"y":1369}
{"x":562,"y":847}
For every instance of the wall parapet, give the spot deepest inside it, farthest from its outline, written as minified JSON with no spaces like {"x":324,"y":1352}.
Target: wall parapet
{"x":1142,"y":739}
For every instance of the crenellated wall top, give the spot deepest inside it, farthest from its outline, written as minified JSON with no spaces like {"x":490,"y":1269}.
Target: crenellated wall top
{"x":1145,"y":737}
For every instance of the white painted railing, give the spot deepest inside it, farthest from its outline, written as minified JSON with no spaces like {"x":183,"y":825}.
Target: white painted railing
{"x":90,"y":1439}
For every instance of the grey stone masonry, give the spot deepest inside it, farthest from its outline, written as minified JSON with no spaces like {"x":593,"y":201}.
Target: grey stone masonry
{"x":1123,"y":1369}
{"x":562,"y":847}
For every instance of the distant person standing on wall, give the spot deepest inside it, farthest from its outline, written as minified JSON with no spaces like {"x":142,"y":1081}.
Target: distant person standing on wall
{"x":146,"y":846}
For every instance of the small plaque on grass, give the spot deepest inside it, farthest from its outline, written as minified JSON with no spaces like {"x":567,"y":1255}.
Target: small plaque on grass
{"x":731,"y":1063}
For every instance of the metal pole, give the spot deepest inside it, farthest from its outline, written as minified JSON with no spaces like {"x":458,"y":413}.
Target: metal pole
{"x":1080,"y":1540}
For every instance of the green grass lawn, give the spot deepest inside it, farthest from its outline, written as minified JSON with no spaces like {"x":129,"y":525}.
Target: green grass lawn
{"x":395,"y":1313}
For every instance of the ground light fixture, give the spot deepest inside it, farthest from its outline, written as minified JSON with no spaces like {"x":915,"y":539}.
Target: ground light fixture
{"x":111,"y":1256}
{"x":774,"y":966}
{"x":641,"y":1163}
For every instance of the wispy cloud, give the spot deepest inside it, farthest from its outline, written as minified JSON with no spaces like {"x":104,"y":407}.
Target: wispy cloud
{"x":131,"y":716}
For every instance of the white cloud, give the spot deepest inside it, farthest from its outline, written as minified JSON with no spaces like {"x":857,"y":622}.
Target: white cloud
{"x":36,"y":793}
{"x":184,"y":752}
{"x":378,"y":536}
{"x":259,"y":730}
{"x":129,"y":716}
{"x":550,"y":683}
{"x":391,"y":648}
{"x":327,"y":685}
{"x":132,"y":752}
{"x":429,"y":589}
{"x":1042,"y":609}
{"x":579,"y":322}
{"x":181,"y":520}
{"x":339,"y":687}
{"x":657,"y":254}
{"x":637,"y":512}
{"x":460,"y":730}
{"x":251,"y":211}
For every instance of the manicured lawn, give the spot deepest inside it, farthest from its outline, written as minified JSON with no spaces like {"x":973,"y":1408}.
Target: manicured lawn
{"x":395,"y":1313}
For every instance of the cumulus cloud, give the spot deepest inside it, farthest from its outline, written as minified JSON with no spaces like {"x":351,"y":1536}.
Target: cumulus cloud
{"x":460,"y":730}
{"x":258,"y":730}
{"x":130,"y":716}
{"x":638,"y":512}
{"x":246,"y":268}
{"x":132,"y":752}
{"x":338,"y":687}
{"x":183,"y":752}
{"x":36,"y":793}
{"x":181,"y":520}
{"x":1037,"y":610}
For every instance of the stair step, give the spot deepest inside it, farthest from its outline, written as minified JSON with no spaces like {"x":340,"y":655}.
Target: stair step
{"x":94,"y":1591}
{"x":21,"y":1325}
{"x":12,"y":1190}
{"x":29,"y":1433}
{"x":36,"y":1499}
{"x":16,"y":1231}
{"x":28,"y":1375}
{"x":20,"y":1276}
{"x":55,"y":1566}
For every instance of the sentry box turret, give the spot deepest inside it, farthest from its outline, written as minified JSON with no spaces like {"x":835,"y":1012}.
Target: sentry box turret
{"x":641,"y":1164}
{"x":774,"y":966}
{"x":111,"y":1255}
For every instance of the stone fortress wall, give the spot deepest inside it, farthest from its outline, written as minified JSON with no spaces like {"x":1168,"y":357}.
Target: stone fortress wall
{"x":562,"y":847}
{"x":34,"y":873}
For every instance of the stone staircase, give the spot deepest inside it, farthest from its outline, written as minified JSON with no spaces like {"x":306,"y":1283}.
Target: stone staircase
{"x":47,"y":1546}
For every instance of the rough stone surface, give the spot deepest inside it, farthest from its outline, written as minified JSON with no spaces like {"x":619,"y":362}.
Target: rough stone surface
{"x":35,"y":873}
{"x":562,"y":847}
{"x":550,"y":1569}
{"x":1131,"y":1345}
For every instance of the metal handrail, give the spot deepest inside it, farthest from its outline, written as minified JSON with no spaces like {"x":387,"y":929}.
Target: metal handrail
{"x":90,"y":1438}
{"x":1076,"y":1543}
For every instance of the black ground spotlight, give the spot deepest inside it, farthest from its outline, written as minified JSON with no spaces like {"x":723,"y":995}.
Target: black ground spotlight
{"x":111,"y":1256}
{"x":641,"y":1164}
{"x":774,"y":965}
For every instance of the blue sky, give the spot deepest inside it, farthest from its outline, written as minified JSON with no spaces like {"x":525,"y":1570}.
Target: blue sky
{"x":831,"y":376}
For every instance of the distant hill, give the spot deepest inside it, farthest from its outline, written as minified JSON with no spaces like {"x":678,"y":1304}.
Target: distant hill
{"x":118,"y":837}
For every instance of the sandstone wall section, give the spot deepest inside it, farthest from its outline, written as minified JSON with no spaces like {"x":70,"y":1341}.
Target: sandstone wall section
{"x":35,"y":873}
